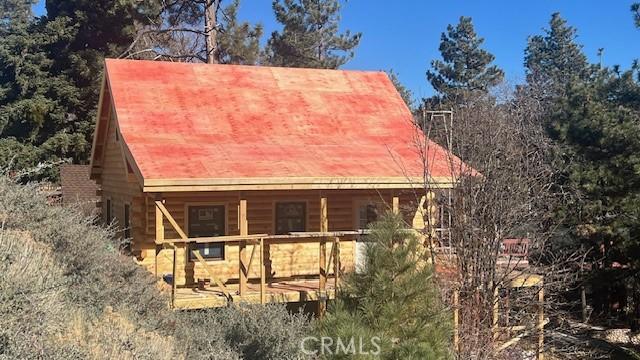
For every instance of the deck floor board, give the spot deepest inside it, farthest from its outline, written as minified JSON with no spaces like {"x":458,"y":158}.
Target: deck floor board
{"x":276,"y":292}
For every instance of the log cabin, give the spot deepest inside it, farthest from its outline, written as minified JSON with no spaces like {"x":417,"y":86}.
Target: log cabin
{"x":250,"y":183}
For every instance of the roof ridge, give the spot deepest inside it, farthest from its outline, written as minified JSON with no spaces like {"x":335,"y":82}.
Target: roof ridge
{"x":301,"y":69}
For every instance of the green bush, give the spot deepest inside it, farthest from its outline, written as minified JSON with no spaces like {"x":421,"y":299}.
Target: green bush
{"x":394,"y":298}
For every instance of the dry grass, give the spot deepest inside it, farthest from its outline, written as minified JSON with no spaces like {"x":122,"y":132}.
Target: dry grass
{"x":67,"y":293}
{"x":113,"y":336}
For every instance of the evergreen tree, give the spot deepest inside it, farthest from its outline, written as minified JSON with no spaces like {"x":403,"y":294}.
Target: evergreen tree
{"x":49,"y":76}
{"x":465,"y":67}
{"x":404,"y":92}
{"x":310,"y":36}
{"x":239,"y":43}
{"x":635,"y":8}
{"x":596,"y":124}
{"x":394,"y":298}
{"x":13,"y":12}
{"x":553,"y":60}
{"x":34,"y":120}
{"x":96,"y":30}
{"x":199,"y":30}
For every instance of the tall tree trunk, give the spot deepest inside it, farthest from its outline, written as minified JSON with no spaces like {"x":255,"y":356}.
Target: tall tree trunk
{"x":211,"y":29}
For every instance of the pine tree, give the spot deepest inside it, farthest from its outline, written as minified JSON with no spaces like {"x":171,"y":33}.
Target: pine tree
{"x":239,"y":43}
{"x":465,"y":67}
{"x":97,"y":30}
{"x":596,"y":125}
{"x":14,"y":12}
{"x":635,"y":8}
{"x":199,"y":30}
{"x":34,"y":113}
{"x":553,"y":60}
{"x":394,"y":298}
{"x":404,"y":92}
{"x":49,"y":76}
{"x":599,"y":124}
{"x":310,"y":36}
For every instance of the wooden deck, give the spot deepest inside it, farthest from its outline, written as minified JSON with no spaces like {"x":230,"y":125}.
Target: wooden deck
{"x":221,"y":292}
{"x":276,"y":292}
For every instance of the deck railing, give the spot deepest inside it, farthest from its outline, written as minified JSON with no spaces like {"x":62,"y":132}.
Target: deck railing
{"x":327,"y":263}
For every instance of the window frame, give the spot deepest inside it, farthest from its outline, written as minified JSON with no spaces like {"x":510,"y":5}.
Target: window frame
{"x":359,"y":202}
{"x":223,"y":245}
{"x":290,"y":201}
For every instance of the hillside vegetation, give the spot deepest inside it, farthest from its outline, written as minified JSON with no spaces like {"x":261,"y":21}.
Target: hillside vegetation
{"x":67,"y":293}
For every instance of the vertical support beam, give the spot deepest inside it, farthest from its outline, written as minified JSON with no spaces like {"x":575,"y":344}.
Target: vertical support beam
{"x":182,"y":246}
{"x":322,"y":283}
{"x":336,"y":262}
{"x":431,"y":217}
{"x":156,"y":252}
{"x":244,"y":230}
{"x":540,"y":349}
{"x":173,"y":276}
{"x":159,"y":235}
{"x":324,"y":219}
{"x":396,"y":205}
{"x":262,"y":274}
{"x":583,"y":301}
{"x":456,"y":320}
{"x":495,"y":317}
{"x":507,"y":311}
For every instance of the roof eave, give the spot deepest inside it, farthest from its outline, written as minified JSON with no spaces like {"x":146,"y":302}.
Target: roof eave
{"x":292,"y":183}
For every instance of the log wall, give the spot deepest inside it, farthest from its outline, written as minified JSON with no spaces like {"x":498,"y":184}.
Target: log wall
{"x":120,"y":189}
{"x":283,"y":259}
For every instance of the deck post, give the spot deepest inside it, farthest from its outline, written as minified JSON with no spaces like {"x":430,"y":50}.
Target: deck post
{"x":244,"y":230}
{"x":456,"y":320}
{"x":159,"y":236}
{"x":495,"y":316}
{"x":167,"y":215}
{"x":173,"y":276}
{"x":322,"y":283}
{"x":583,"y":302}
{"x":540,"y":349}
{"x":396,"y":205}
{"x":507,"y":309}
{"x":336,"y":262}
{"x":262,"y":274}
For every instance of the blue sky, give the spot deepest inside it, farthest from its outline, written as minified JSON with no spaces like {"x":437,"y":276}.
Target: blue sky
{"x":403,"y":35}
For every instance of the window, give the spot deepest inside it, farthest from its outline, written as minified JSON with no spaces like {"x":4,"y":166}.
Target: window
{"x":127,"y":222}
{"x":291,"y":217}
{"x":207,"y":221}
{"x":367,"y":213}
{"x":107,"y":218}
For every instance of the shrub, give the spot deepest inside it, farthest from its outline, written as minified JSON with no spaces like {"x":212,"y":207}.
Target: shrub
{"x":113,"y":336}
{"x":67,"y":293}
{"x":97,"y":275}
{"x":394,"y":298}
{"x":252,"y":331}
{"x":31,"y":288}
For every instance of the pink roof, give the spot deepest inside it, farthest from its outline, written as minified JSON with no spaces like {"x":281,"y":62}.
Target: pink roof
{"x":199,"y":121}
